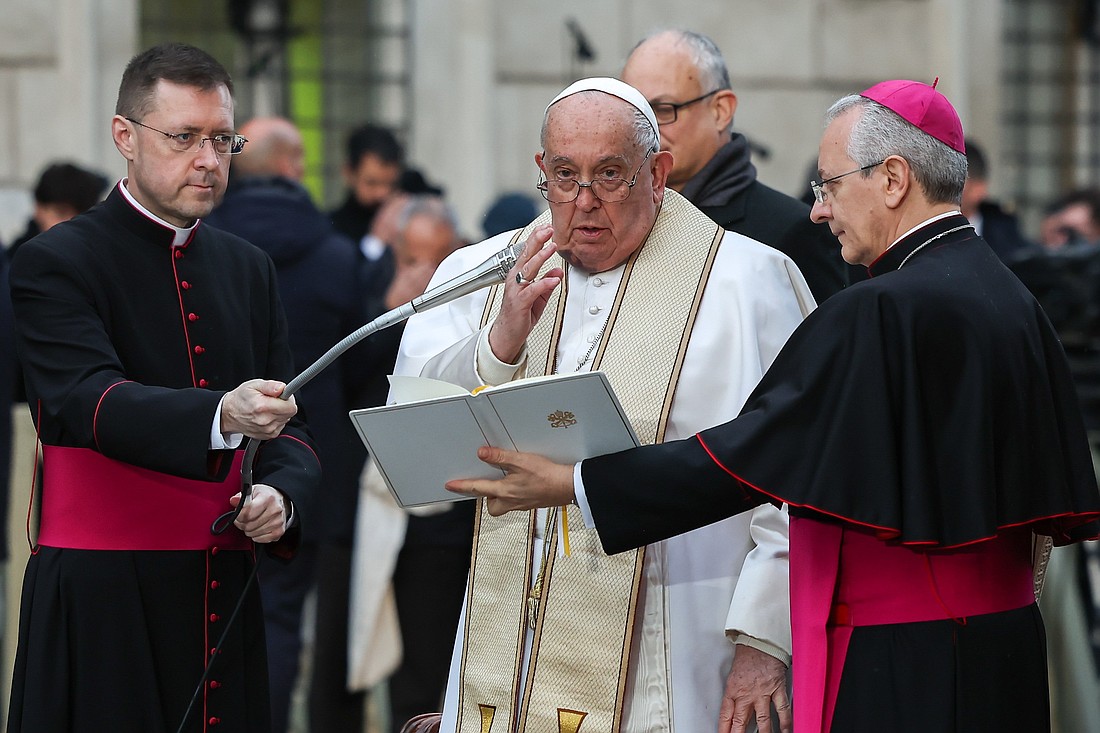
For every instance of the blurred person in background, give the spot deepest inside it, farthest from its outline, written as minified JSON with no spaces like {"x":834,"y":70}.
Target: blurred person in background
{"x":319,"y":279}
{"x":63,"y":191}
{"x":364,"y":533}
{"x":509,"y":211}
{"x":372,"y":171}
{"x":995,"y":225}
{"x":1072,"y":220}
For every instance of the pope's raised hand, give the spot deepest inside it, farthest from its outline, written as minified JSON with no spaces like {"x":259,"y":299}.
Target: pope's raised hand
{"x":525,"y":296}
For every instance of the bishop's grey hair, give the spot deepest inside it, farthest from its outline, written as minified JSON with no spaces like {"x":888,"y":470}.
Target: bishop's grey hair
{"x":880,"y":132}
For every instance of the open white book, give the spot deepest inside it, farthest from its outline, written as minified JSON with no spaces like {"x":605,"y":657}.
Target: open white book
{"x":432,"y":434}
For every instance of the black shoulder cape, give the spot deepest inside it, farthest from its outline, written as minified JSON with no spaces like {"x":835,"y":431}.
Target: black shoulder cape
{"x":931,"y":404}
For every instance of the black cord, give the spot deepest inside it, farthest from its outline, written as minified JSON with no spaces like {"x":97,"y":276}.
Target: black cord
{"x":217,"y":650}
{"x":220,"y":525}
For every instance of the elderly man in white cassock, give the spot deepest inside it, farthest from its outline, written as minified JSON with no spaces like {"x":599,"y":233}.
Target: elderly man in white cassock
{"x":625,"y":276}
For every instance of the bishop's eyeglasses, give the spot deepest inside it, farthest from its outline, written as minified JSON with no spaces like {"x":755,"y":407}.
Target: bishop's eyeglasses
{"x":192,"y":142}
{"x":608,"y":190}
{"x":819,"y":186}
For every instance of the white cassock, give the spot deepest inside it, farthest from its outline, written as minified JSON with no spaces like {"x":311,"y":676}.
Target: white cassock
{"x":702,"y":589}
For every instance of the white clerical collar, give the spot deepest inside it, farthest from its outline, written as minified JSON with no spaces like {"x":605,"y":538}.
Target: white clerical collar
{"x":181,"y":234}
{"x":923,"y":224}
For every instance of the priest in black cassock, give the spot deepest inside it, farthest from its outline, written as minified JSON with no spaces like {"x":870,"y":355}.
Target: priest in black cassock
{"x":151,"y":344}
{"x":921,"y":426}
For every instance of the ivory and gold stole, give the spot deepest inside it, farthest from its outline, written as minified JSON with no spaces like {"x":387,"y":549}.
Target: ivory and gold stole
{"x":576,"y":676}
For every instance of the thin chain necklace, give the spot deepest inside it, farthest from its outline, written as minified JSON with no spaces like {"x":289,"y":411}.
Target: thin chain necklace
{"x":595,"y":341}
{"x":933,"y":239}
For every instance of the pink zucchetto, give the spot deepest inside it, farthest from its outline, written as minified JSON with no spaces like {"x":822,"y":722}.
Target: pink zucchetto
{"x":922,"y":106}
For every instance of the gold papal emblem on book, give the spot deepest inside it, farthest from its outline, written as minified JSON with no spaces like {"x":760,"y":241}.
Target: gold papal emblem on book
{"x":561,"y":419}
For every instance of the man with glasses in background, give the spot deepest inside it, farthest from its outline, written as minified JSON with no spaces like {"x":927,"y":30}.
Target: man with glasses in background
{"x":142,"y":332}
{"x":625,"y":276}
{"x":684,"y":77}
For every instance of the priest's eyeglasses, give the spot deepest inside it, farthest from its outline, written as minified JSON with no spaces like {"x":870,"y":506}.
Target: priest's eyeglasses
{"x":666,"y":112}
{"x":192,"y":142}
{"x":608,"y":190}
{"x":819,"y":188}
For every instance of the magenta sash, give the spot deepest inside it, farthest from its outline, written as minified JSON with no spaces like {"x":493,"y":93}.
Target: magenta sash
{"x":92,"y":502}
{"x":843,"y":578}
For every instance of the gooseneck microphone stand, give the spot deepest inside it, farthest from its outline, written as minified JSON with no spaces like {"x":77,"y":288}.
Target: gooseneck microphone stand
{"x":490,"y":272}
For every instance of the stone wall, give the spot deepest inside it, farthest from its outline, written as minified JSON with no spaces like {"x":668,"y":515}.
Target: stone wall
{"x":60,"y":62}
{"x":483,"y":71}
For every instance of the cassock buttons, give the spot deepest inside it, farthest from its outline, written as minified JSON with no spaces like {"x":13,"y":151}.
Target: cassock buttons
{"x":192,"y":317}
{"x":214,"y":584}
{"x":199,"y":349}
{"x":203,"y":382}
{"x":178,"y":254}
{"x":215,"y":618}
{"x":185,"y":285}
{"x":214,"y":684}
{"x":214,"y":721}
{"x":213,"y":550}
{"x":598,"y":281}
{"x":594,"y":310}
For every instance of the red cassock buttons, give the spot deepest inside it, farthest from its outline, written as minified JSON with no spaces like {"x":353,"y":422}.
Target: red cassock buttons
{"x":202,"y":382}
{"x":213,"y":550}
{"x":213,"y":649}
{"x":192,"y":317}
{"x":200,"y":349}
{"x":185,"y":285}
{"x":214,"y":618}
{"x":178,"y":254}
{"x":214,"y":684}
{"x":214,"y":584}
{"x":214,"y":721}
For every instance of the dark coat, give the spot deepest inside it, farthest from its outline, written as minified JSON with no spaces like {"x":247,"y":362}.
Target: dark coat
{"x":128,"y":345}
{"x":726,"y":189}
{"x":907,"y":404}
{"x":780,"y":221}
{"x":1002,"y":231}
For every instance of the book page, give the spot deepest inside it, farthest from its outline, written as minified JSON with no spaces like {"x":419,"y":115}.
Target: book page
{"x":418,"y":450}
{"x":414,"y":389}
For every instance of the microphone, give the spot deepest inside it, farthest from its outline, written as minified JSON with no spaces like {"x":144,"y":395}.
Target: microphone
{"x":490,"y":272}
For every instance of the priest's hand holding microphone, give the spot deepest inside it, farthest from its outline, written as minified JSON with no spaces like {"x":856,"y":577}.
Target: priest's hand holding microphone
{"x":254,"y":409}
